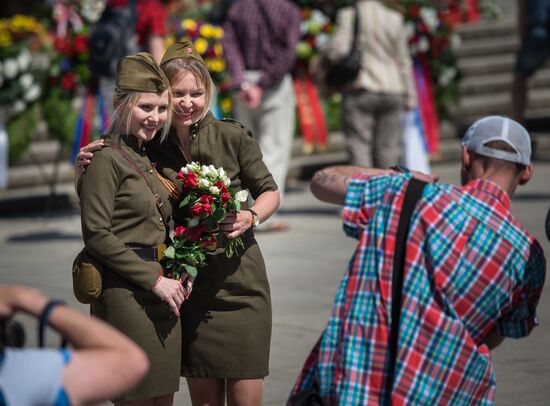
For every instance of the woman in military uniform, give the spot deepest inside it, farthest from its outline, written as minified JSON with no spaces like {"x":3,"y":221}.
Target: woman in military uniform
{"x":124,"y":213}
{"x":226,"y":323}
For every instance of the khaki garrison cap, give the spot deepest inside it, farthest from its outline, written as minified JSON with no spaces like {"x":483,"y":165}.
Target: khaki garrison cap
{"x":184,"y":49}
{"x":141,"y":73}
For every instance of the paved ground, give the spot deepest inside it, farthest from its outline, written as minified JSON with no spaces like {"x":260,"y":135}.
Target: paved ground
{"x":304,"y":267}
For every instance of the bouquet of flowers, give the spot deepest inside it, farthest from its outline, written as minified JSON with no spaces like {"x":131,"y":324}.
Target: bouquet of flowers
{"x":207,"y":38}
{"x":315,"y":30}
{"x":207,"y":199}
{"x":433,"y":42}
{"x":23,"y":66}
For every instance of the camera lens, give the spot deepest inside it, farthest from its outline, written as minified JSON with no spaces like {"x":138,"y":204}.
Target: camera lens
{"x":13,"y":334}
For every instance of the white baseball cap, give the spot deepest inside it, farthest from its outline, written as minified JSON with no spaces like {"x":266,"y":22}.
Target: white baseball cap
{"x":497,"y":128}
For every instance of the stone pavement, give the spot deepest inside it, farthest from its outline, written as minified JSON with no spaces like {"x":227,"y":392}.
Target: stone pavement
{"x":304,"y":267}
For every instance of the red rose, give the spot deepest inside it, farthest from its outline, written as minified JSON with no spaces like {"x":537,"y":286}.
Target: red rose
{"x":206,"y":199}
{"x":414,"y":11}
{"x":206,"y":209}
{"x":81,"y":44}
{"x":220,"y":185}
{"x":190,"y":180}
{"x":196,"y":210}
{"x":68,"y":81}
{"x":225,"y":197}
{"x":179,"y":230}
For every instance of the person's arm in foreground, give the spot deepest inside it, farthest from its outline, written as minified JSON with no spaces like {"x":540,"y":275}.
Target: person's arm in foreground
{"x":331,"y":184}
{"x":103,"y":364}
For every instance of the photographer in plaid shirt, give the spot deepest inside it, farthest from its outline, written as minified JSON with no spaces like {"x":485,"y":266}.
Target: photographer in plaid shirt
{"x":472,"y":276}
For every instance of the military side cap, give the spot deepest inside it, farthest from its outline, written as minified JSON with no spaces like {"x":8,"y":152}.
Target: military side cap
{"x":184,"y":49}
{"x":141,"y":73}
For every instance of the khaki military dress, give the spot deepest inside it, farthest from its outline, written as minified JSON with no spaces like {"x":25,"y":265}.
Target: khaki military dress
{"x":226,"y":323}
{"x":119,"y":211}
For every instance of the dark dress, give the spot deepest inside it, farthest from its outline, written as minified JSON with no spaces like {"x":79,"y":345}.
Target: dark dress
{"x":226,"y":323}
{"x":119,"y":210}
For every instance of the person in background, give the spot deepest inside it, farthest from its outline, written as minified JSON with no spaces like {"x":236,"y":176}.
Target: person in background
{"x":103,"y":364}
{"x":534,"y":31}
{"x":372,"y":105}
{"x":125,"y":211}
{"x":260,"y":50}
{"x":472,"y":276}
{"x":151,"y":28}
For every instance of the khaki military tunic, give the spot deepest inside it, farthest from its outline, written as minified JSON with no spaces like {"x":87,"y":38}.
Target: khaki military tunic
{"x":118,"y":211}
{"x":226,"y":323}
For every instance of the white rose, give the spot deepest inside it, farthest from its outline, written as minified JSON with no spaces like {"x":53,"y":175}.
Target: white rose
{"x":221,"y":173}
{"x":423,"y":44}
{"x":33,"y":93}
{"x":214,"y":190}
{"x":226,"y":181}
{"x":184,"y":170}
{"x":11,"y":68}
{"x":193,"y":222}
{"x":18,"y":107}
{"x":26,"y":80}
{"x":205,"y":170}
{"x":430,"y":17}
{"x":241,"y":195}
{"x":24,"y":60}
{"x":204,"y":183}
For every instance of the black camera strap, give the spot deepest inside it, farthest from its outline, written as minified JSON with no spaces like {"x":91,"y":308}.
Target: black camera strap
{"x":43,"y":323}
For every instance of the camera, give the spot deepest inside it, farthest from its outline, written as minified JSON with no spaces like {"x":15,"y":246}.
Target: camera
{"x":12,"y":334}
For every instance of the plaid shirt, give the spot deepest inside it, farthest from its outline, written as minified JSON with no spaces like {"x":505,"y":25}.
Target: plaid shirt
{"x":470,"y":267}
{"x":151,"y":19}
{"x":249,"y":44}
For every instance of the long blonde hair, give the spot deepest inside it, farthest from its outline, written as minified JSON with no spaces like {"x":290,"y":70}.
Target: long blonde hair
{"x":176,"y":68}
{"x":123,"y":102}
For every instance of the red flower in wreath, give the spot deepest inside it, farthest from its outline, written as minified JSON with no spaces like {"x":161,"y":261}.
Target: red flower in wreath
{"x":68,"y":81}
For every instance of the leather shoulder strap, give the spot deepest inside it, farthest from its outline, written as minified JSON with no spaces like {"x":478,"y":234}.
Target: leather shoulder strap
{"x":158,"y":201}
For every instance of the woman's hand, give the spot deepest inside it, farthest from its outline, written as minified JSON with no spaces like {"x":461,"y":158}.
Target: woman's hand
{"x":171,"y":292}
{"x":85,"y":156}
{"x":235,"y":224}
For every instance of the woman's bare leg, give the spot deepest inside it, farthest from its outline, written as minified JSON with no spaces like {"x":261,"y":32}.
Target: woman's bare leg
{"x":206,"y":391}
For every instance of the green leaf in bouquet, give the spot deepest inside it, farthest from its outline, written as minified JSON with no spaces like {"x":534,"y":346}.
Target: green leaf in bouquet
{"x":191,"y":270}
{"x":219,"y":215}
{"x":185,"y":200}
{"x":170,"y":252}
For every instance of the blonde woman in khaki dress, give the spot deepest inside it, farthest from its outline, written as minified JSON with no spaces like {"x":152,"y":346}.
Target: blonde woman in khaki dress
{"x":124,"y":211}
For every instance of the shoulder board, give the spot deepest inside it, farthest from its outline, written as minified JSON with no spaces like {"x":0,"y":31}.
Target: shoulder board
{"x":232,"y":121}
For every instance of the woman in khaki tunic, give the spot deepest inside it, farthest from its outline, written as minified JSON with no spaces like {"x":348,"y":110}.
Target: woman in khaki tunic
{"x":124,"y":211}
{"x":226,"y":322}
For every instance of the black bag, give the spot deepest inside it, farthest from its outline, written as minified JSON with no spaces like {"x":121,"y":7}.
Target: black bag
{"x":344,"y":71}
{"x":111,"y":39}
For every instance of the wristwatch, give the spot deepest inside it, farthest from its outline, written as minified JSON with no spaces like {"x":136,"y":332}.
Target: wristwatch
{"x":255,"y":218}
